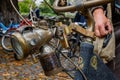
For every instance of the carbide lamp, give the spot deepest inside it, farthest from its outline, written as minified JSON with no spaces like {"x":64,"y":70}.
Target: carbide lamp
{"x":28,"y":39}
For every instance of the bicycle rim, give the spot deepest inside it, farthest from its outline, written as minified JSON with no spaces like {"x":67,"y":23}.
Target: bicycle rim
{"x":6,"y":43}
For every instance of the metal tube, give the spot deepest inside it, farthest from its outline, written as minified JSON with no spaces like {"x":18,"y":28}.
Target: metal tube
{"x":79,"y":6}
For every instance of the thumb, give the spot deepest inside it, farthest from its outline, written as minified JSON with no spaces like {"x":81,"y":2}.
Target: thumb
{"x":97,"y":32}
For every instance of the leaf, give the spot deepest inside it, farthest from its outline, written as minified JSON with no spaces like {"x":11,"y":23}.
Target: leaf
{"x":6,"y":74}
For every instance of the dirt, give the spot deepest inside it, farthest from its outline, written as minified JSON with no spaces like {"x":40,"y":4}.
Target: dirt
{"x":27,"y":69}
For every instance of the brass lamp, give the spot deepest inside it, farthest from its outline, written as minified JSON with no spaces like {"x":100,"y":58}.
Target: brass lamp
{"x":28,"y":39}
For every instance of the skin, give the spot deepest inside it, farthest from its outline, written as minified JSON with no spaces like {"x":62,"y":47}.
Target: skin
{"x":62,"y":2}
{"x":102,"y":24}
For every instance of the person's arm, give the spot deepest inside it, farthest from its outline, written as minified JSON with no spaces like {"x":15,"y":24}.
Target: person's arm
{"x":102,"y":24}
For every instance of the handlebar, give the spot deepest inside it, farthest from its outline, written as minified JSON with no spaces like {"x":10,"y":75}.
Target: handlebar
{"x":79,"y":6}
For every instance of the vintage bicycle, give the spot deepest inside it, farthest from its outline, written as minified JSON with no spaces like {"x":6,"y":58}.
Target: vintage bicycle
{"x":67,"y":48}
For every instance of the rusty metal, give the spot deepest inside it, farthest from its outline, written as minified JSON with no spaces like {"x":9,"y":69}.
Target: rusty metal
{"x":64,"y":41}
{"x":42,"y":24}
{"x":82,"y":31}
{"x":49,"y":61}
{"x":80,"y":6}
{"x":66,"y":30}
{"x":62,"y":33}
{"x":83,"y":8}
{"x":27,"y":40}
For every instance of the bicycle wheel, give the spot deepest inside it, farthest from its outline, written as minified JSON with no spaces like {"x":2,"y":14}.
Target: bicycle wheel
{"x":5,"y":41}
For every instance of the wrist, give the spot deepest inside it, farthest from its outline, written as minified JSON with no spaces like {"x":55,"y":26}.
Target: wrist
{"x":98,"y":11}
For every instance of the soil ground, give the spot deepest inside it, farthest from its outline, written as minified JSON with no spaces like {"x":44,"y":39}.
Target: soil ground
{"x":27,"y":69}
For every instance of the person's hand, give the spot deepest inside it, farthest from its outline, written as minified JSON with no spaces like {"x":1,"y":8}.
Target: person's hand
{"x":102,"y":24}
{"x":62,"y":2}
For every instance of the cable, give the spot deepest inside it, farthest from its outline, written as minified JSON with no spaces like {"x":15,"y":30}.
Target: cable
{"x":18,"y":12}
{"x":84,"y":76}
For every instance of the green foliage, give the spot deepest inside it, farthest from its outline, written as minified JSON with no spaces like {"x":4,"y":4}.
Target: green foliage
{"x":45,"y":9}
{"x":25,"y":5}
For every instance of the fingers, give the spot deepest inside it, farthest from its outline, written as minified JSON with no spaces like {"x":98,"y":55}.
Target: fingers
{"x":97,"y":31}
{"x":109,"y":27}
{"x":102,"y":30}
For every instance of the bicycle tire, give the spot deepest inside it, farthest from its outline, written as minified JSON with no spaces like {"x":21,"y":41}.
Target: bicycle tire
{"x":5,"y":41}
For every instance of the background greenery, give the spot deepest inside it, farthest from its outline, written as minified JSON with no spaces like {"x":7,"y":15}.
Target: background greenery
{"x":24,"y":7}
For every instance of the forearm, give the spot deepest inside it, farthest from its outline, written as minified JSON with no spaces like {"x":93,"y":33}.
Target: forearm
{"x":97,"y":11}
{"x":103,"y":7}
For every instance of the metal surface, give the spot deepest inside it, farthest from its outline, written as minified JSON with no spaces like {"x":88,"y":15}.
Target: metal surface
{"x":81,"y":30}
{"x":80,"y":6}
{"x":27,"y":41}
{"x":83,"y":8}
{"x":49,"y":61}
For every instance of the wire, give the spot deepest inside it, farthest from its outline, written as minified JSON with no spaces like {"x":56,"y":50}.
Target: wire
{"x":84,"y":76}
{"x":50,"y":6}
{"x":18,"y":12}
{"x":53,"y":9}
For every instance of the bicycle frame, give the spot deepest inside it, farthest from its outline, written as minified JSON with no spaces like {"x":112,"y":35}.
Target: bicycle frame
{"x":63,"y":32}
